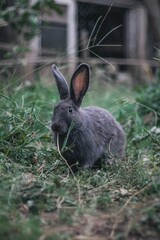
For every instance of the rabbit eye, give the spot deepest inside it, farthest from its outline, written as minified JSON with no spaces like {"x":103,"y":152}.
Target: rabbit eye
{"x":70,"y":109}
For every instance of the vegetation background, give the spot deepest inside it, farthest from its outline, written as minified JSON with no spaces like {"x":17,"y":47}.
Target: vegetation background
{"x":40,"y":199}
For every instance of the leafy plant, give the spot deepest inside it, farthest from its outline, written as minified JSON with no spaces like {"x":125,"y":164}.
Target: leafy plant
{"x":149,"y":99}
{"x":39,"y":197}
{"x":24,"y":16}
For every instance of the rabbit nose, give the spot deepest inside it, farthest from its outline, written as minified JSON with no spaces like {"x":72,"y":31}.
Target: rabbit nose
{"x":55,"y":127}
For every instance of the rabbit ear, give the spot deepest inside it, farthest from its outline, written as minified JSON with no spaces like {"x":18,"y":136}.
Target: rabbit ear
{"x":61,"y":82}
{"x":79,"y":83}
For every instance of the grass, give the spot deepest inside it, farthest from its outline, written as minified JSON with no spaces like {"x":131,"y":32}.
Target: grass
{"x":40,"y":199}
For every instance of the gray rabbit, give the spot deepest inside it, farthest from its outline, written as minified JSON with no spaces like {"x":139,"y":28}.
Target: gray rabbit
{"x":95,"y":132}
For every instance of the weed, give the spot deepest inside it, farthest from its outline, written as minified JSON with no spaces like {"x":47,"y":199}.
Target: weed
{"x":39,"y":197}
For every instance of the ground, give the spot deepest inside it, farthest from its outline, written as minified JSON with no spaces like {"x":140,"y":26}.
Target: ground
{"x":41,"y":199}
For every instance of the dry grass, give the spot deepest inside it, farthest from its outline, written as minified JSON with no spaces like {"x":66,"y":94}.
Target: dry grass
{"x":41,"y":199}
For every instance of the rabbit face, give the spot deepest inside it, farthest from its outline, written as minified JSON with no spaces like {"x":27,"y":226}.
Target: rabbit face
{"x":64,"y":114}
{"x":68,"y":110}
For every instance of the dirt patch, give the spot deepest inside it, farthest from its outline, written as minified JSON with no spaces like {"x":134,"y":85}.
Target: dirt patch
{"x":135,"y":222}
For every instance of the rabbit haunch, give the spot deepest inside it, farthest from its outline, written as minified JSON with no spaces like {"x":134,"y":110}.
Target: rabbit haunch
{"x":95,"y":131}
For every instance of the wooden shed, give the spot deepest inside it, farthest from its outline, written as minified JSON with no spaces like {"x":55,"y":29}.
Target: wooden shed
{"x":126,"y":34}
{"x":102,"y":32}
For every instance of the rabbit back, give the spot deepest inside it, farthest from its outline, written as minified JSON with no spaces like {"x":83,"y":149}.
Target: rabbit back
{"x":106,"y":133}
{"x":96,"y":134}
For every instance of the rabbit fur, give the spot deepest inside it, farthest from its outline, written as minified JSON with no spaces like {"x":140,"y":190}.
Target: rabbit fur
{"x":95,"y":131}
